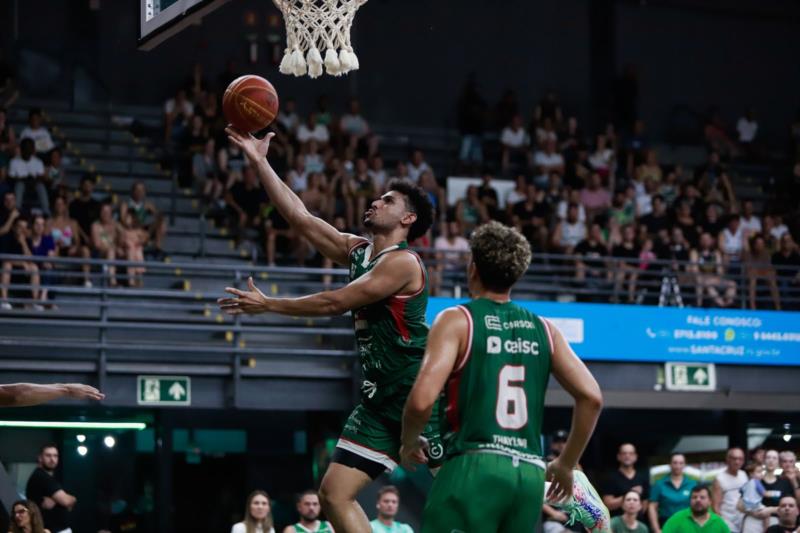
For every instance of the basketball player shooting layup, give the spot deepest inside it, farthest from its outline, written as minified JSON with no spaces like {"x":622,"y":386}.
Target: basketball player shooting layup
{"x":388,"y":294}
{"x":494,"y":359}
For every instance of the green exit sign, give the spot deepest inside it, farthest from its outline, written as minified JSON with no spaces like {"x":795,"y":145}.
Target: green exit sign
{"x":691,"y":376}
{"x":163,"y":390}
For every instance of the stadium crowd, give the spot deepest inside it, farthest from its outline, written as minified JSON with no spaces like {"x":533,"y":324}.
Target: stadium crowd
{"x":604,"y":201}
{"x":759,"y":495}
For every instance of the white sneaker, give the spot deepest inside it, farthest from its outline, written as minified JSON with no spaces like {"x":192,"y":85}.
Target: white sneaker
{"x":37,"y":307}
{"x":5,"y":306}
{"x":87,"y":284}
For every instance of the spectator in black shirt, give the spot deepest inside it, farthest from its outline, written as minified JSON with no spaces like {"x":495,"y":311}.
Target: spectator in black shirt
{"x":8,"y":214}
{"x":775,"y":487}
{"x":245,"y":200}
{"x":626,"y":478}
{"x":590,"y":263}
{"x":45,"y":491}
{"x":658,"y":219}
{"x":488,"y":197}
{"x":786,"y":262}
{"x":85,"y":209}
{"x":787,"y":516}
{"x":626,"y":255}
{"x":530,"y":217}
{"x":711,"y":222}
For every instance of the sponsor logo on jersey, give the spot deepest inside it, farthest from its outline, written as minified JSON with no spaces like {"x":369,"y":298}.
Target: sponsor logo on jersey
{"x":521,"y":346}
{"x":436,"y":450}
{"x":494,"y":344}
{"x":492,"y":322}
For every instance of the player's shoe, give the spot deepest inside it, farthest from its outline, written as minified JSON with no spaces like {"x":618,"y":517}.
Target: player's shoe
{"x":585,"y":506}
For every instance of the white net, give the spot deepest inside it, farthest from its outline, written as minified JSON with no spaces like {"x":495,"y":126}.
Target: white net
{"x":316,"y":25}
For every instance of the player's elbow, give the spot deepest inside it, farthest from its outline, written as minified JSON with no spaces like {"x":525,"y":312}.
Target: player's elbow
{"x":590,"y":399}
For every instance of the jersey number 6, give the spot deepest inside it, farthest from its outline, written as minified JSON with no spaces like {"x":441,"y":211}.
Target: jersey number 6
{"x":511,"y":411}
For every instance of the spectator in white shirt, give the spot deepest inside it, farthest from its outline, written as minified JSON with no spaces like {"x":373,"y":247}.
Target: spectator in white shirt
{"x":417,"y":165}
{"x":359,"y":139}
{"x":516,"y":144}
{"x":297,"y":179}
{"x":38,"y":133}
{"x":547,"y":161}
{"x":452,"y":250}
{"x":312,"y":130}
{"x":602,"y":160}
{"x":288,"y":117}
{"x":377,"y":173}
{"x":747,"y":127}
{"x":546,"y":132}
{"x":732,"y":241}
{"x":574,"y":197}
{"x":27,"y":172}
{"x":569,"y":232}
{"x":751,"y":224}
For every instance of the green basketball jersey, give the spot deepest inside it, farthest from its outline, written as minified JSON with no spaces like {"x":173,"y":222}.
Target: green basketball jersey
{"x":390,"y":334}
{"x":495,"y":396}
{"x":324,"y":527}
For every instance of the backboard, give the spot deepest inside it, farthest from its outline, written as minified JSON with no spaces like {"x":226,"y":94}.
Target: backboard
{"x":161,"y":19}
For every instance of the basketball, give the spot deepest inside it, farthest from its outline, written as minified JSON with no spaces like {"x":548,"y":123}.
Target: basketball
{"x":250,"y":103}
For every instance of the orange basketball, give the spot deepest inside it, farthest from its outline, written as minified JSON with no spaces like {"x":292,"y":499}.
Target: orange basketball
{"x":250,"y":103}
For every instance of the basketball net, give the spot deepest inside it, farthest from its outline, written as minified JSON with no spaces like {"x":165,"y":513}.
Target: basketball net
{"x":316,"y":25}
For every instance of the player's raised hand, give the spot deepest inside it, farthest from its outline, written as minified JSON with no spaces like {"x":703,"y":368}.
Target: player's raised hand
{"x":248,"y":302}
{"x":560,"y":476}
{"x":255,"y":149}
{"x":81,"y":392}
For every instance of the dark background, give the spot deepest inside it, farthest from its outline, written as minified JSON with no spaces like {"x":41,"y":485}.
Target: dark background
{"x":415,"y":56}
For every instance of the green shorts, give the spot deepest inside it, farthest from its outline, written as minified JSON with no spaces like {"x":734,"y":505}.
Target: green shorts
{"x":372,"y":435}
{"x":484,"y":493}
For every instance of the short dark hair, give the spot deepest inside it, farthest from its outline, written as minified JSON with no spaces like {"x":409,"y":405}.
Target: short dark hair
{"x":88,"y":176}
{"x":501,"y":255}
{"x":307,"y":492}
{"x":27,"y":141}
{"x":388,"y":489}
{"x":48,"y":445}
{"x":418,"y":202}
{"x":34,"y":111}
{"x":698,"y":488}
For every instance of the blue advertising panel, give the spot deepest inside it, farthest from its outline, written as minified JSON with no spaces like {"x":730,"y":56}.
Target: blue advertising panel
{"x":606,"y":332}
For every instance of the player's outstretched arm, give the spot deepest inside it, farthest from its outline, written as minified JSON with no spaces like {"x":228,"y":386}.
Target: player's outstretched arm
{"x":394,"y":274}
{"x":447,"y":339}
{"x":579,"y":383}
{"x":328,"y":240}
{"x":27,"y":394}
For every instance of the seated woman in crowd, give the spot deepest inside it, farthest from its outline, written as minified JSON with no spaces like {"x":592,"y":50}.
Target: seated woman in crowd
{"x":470,"y":211}
{"x":257,"y":515}
{"x":26,"y":518}
{"x":132,"y":239}
{"x":41,"y":245}
{"x":707,"y":264}
{"x":17,"y":244}
{"x":758,"y":265}
{"x":106,"y":240}
{"x":67,"y":237}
